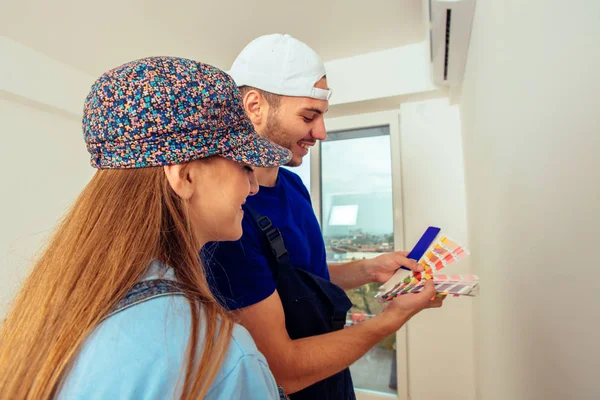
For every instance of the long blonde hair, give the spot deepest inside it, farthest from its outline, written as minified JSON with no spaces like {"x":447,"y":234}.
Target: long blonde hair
{"x":121,"y":222}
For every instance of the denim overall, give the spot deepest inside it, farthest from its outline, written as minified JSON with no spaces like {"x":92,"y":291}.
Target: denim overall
{"x":312,"y":306}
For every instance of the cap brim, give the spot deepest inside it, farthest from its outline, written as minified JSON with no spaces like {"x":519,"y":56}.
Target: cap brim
{"x":258,"y":151}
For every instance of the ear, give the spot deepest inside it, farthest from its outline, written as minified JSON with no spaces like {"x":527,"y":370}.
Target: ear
{"x":256,"y":107}
{"x":180,"y":179}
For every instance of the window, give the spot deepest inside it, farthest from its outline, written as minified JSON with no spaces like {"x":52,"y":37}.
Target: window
{"x":357,"y":222}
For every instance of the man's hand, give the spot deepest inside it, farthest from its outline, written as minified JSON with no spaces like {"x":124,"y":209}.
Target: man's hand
{"x":382,"y":267}
{"x":404,"y":307}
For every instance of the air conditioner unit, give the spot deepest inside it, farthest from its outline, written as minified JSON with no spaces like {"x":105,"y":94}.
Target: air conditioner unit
{"x":450,"y":23}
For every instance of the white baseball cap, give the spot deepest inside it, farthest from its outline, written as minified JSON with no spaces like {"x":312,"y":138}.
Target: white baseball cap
{"x":280,"y":64}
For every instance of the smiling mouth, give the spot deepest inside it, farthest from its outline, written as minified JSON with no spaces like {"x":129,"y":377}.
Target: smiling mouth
{"x":305,"y":146}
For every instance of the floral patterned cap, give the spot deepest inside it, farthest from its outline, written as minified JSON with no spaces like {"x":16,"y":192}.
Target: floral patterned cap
{"x":166,"y":110}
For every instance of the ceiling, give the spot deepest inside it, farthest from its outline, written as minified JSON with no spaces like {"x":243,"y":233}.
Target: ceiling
{"x":96,"y":36}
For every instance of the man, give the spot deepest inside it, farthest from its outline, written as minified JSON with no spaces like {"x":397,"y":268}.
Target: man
{"x":276,"y":277}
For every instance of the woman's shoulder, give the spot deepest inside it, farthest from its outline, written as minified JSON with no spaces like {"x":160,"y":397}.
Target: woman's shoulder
{"x":163,"y":326}
{"x":143,"y":348}
{"x":245,"y":373}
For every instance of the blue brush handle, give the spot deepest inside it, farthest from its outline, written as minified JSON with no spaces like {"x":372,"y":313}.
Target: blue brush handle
{"x":423,"y":244}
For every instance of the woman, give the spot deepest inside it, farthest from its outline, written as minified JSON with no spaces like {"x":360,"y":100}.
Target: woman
{"x":118,"y":305}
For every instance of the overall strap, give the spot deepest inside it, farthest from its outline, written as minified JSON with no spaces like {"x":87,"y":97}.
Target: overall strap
{"x":273,"y":237}
{"x":146,"y":290}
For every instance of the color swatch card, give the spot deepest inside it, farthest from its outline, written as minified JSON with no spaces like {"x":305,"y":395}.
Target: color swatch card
{"x":440,"y":252}
{"x":457,"y":285}
{"x":415,"y":254}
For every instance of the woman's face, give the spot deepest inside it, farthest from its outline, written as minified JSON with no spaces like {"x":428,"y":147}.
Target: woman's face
{"x":215,"y":188}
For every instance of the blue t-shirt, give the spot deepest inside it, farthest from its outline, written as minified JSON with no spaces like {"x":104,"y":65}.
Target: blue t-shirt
{"x":140,"y":352}
{"x":240,"y":272}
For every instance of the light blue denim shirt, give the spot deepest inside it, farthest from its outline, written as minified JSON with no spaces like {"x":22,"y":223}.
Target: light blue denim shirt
{"x":140,"y":352}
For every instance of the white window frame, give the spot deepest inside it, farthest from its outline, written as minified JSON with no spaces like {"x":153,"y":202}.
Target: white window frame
{"x":391,"y":119}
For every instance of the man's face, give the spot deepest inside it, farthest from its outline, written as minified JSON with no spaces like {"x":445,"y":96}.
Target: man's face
{"x":297,"y":124}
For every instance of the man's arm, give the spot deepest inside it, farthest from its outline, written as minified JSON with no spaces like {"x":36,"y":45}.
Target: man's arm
{"x":350,"y":275}
{"x":297,"y":364}
{"x":379,"y":269}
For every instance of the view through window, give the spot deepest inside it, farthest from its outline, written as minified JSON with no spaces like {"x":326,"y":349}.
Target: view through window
{"x":357,"y":223}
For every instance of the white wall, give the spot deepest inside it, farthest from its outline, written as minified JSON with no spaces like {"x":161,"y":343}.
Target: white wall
{"x":45,"y":165}
{"x":393,"y":72}
{"x":42,"y":155}
{"x":38,"y":78}
{"x":532,"y":140}
{"x":440,"y":342}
